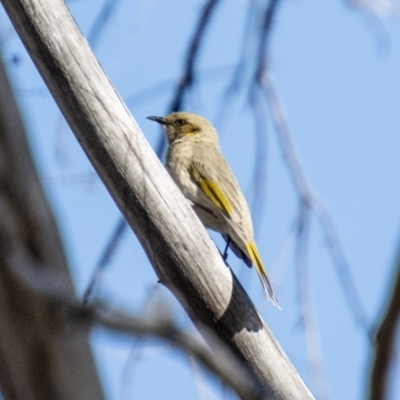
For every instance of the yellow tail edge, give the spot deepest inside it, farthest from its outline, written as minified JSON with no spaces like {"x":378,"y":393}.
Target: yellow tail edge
{"x":262,"y":273}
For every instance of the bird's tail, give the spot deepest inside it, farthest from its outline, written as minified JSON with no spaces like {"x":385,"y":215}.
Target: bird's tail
{"x":262,"y":272}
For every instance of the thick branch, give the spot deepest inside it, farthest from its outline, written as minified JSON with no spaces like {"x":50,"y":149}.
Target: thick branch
{"x":181,"y":252}
{"x":385,"y":343}
{"x":40,"y":356}
{"x":43,"y":283}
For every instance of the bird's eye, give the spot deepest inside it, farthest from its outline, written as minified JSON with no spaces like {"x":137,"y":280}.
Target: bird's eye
{"x":180,"y":122}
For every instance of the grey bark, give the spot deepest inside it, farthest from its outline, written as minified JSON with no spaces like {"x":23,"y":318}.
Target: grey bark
{"x":41,"y":355}
{"x":180,"y":250}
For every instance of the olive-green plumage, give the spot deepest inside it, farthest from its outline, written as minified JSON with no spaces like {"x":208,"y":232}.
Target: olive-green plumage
{"x":196,"y":164}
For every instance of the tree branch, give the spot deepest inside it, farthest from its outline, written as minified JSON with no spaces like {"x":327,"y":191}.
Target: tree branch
{"x":179,"y":248}
{"x":40,"y":357}
{"x":385,"y":343}
{"x":221,"y":362}
{"x":188,"y":76}
{"x":308,"y":197}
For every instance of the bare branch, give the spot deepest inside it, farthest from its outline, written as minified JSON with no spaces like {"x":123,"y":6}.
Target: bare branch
{"x":179,"y":248}
{"x":221,"y":361}
{"x":106,"y":257}
{"x":101,"y":20}
{"x":262,"y":84}
{"x":245,"y":52}
{"x":385,"y":343}
{"x":263,"y":44}
{"x":40,"y":357}
{"x":309,"y":198}
{"x":259,"y":179}
{"x":188,"y":77}
{"x":306,"y":309}
{"x":380,"y":8}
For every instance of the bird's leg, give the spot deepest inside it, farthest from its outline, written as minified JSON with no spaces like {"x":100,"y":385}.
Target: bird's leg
{"x":224,"y":258}
{"x":225,"y":254}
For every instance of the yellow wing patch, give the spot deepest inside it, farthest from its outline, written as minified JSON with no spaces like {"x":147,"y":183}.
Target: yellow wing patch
{"x":212,"y":190}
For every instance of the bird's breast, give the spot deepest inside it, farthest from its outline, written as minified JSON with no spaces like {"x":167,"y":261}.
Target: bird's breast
{"x":177,"y":164}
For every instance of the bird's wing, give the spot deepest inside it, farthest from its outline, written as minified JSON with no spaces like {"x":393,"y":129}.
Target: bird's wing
{"x":228,"y":198}
{"x":211,"y":187}
{"x":218,"y":183}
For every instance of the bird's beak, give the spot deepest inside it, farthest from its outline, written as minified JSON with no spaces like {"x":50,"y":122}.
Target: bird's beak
{"x":160,"y":120}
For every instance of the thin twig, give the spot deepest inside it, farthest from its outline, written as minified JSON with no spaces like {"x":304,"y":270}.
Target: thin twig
{"x":105,"y":258}
{"x":221,"y":362}
{"x":259,"y":180}
{"x":309,"y":198}
{"x":265,"y":35}
{"x":372,"y":13}
{"x":202,"y":387}
{"x":136,"y":352}
{"x":380,"y":8}
{"x":245,"y":52}
{"x":306,"y":309}
{"x":259,"y":174}
{"x":101,"y":20}
{"x":155,"y":91}
{"x":188,"y":76}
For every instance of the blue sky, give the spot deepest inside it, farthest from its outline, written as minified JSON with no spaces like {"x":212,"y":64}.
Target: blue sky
{"x":335,"y":69}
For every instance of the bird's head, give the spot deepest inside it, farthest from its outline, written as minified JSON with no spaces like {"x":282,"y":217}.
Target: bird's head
{"x":186,"y":125}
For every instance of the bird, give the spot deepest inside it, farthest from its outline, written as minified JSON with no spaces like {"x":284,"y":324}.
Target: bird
{"x":195,"y":162}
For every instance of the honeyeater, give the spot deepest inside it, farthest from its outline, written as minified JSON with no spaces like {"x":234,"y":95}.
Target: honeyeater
{"x":196,"y":164}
